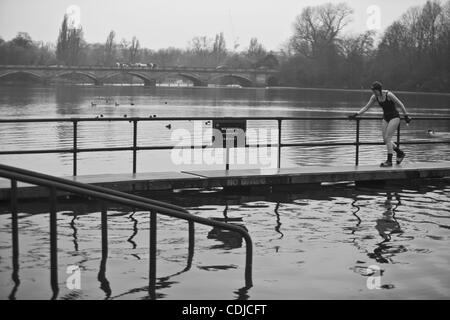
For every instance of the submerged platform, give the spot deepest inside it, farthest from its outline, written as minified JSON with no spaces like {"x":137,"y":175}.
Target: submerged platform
{"x":167,"y":181}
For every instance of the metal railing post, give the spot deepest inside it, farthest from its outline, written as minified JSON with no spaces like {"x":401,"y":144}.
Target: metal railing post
{"x":104,"y":227}
{"x":53,"y":244}
{"x":279,"y":143}
{"x":227,"y":157}
{"x":134,"y":144}
{"x":104,"y":283}
{"x":248,"y":261}
{"x":152,"y":272}
{"x":15,"y":232}
{"x":357,"y":142}
{"x":75,"y":146}
{"x":191,"y":243}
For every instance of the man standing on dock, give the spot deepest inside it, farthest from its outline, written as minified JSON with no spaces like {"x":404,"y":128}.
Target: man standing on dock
{"x":391,"y":119}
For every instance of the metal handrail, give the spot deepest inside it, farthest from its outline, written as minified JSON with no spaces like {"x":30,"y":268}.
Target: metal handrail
{"x":54,"y":183}
{"x":92,"y":188}
{"x":135,"y":120}
{"x":197,"y":118}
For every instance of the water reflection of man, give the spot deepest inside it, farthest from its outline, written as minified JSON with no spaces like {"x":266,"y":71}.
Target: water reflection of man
{"x":386,"y":226}
{"x":229,"y":238}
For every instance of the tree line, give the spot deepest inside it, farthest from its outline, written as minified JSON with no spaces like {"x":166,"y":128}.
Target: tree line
{"x":72,"y":50}
{"x":411,"y":54}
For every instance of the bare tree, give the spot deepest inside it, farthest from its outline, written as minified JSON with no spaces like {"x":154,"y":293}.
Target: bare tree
{"x":414,"y":50}
{"x":219,"y":48}
{"x":360,"y":45}
{"x":201,"y":52}
{"x":255,"y":50}
{"x":70,"y":43}
{"x":201,"y":45}
{"x":62,"y":42}
{"x":356,"y":51}
{"x":123,"y":48}
{"x":134,"y":49}
{"x":430,"y":24}
{"x":319,"y":26}
{"x":110,"y":49}
{"x":75,"y":45}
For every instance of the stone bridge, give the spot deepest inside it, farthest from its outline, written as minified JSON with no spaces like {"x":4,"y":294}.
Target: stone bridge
{"x":150,"y":76}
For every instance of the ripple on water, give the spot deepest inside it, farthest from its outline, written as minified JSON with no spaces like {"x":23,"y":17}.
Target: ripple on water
{"x":305,"y":246}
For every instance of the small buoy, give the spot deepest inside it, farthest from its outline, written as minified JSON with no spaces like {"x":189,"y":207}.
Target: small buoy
{"x":125,"y":115}
{"x":132,"y":103}
{"x":165,"y":102}
{"x":154,"y":116}
{"x":169,"y":126}
{"x":101,"y":116}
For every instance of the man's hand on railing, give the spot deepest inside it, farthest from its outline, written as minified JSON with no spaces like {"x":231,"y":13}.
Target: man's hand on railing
{"x":353,"y":116}
{"x":407,"y":119}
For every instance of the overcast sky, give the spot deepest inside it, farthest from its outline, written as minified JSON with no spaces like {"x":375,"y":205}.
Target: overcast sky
{"x":165,"y":23}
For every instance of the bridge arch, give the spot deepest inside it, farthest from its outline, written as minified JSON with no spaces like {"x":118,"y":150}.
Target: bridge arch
{"x":194,"y":78}
{"x":32,"y":74}
{"x":86,"y":74}
{"x":147,"y":80}
{"x":242,"y":80}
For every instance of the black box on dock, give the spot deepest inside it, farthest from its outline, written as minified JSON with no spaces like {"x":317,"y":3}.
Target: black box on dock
{"x":233,"y":131}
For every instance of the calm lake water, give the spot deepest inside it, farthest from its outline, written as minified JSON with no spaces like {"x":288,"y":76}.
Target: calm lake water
{"x":311,"y":244}
{"x":308,"y":244}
